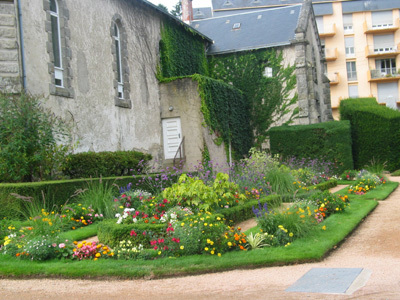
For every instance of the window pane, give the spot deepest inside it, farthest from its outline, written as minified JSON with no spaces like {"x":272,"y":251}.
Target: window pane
{"x":53,"y":6}
{"x":117,"y":48}
{"x":55,"y":34}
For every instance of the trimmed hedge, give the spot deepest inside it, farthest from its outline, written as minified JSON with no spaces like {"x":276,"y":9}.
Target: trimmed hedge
{"x":330,"y":141}
{"x":54,"y":192}
{"x":375,"y":131}
{"x":111,"y":233}
{"x":106,"y":164}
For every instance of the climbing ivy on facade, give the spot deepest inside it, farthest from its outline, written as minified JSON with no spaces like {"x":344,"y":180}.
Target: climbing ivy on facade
{"x":269,"y":98}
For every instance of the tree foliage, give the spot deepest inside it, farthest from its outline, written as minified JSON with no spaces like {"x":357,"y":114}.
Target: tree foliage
{"x":269,"y":97}
{"x":30,"y":137}
{"x":177,"y":10}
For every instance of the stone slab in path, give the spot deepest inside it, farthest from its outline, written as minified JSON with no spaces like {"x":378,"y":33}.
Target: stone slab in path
{"x":331,"y":281}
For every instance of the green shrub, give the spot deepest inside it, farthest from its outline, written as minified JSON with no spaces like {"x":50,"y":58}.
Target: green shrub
{"x":375,"y":132}
{"x":111,"y":233}
{"x":105,"y":164}
{"x":330,"y":141}
{"x":52,"y":193}
{"x":30,"y":138}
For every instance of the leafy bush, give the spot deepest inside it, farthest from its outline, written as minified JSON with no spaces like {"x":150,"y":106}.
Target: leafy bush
{"x":193,"y":192}
{"x":375,"y":132}
{"x":328,"y":141}
{"x":348,"y":175}
{"x":105,"y":164}
{"x":30,"y":139}
{"x":328,"y":203}
{"x":366,"y":181}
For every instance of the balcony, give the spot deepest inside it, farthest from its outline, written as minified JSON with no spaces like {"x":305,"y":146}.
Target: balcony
{"x":382,"y":51}
{"x":334,"y":78}
{"x":381,"y":28}
{"x":328,"y":31}
{"x":382,"y":75}
{"x":331,"y":54}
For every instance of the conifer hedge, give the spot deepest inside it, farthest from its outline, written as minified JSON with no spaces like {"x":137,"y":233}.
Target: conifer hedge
{"x":330,"y":141}
{"x":375,"y":132}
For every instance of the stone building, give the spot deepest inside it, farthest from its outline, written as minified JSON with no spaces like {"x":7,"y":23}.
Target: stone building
{"x":96,"y":65}
{"x":290,"y":29}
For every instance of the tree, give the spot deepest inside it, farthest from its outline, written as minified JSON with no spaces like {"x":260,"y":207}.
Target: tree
{"x":30,"y":139}
{"x":163,"y":7}
{"x":270,"y":97}
{"x":177,"y":11}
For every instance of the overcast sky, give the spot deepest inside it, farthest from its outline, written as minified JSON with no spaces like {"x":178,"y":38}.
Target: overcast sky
{"x":171,"y":3}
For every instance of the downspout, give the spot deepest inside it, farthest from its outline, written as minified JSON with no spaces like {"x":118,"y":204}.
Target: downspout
{"x":21,"y":45}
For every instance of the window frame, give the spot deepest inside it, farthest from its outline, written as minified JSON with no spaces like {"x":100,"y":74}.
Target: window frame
{"x":119,"y":51}
{"x":350,"y":71}
{"x":57,"y":51}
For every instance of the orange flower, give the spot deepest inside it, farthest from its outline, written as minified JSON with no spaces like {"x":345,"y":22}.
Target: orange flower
{"x":18,"y":254}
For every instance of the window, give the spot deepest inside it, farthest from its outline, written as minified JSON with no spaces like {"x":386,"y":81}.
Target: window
{"x":320,"y":24}
{"x":56,"y":43}
{"x":118,"y":61}
{"x":353,"y":91}
{"x":382,"y":19}
{"x":349,"y":45}
{"x":121,"y":71}
{"x":348,"y":23}
{"x":383,"y":43}
{"x":351,"y":71}
{"x":386,"y":66}
{"x":56,"y":25}
{"x":268,"y":72}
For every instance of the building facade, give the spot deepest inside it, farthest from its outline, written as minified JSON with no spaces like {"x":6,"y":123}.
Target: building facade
{"x":95,"y":64}
{"x":360,"y":39}
{"x":291,"y":30}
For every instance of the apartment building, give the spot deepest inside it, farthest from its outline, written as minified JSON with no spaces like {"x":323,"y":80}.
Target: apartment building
{"x":362,"y":46}
{"x":361,"y":40}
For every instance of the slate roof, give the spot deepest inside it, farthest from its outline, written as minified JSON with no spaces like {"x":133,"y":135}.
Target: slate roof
{"x":370,"y":5}
{"x":227,"y":4}
{"x":202,"y":13}
{"x":262,"y":29}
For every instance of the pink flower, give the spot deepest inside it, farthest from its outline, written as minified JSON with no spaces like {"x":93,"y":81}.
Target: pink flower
{"x":62,"y":245}
{"x":54,"y":245}
{"x":133,"y":233}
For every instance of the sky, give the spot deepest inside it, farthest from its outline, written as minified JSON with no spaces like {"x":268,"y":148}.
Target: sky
{"x":170,"y":4}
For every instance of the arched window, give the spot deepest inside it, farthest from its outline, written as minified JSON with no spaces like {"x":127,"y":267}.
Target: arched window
{"x":56,"y":26}
{"x":120,"y":81}
{"x":120,"y":68}
{"x":56,"y":42}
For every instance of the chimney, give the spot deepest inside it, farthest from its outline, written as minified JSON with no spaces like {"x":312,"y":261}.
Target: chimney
{"x":187,"y":11}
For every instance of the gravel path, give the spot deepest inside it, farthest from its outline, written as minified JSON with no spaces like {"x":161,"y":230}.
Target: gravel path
{"x":374,"y":246}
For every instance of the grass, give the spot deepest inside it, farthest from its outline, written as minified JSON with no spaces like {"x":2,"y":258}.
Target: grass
{"x":314,"y":247}
{"x":381,"y":192}
{"x":311,"y":248}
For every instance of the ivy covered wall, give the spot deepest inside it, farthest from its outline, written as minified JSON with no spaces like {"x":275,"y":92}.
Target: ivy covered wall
{"x":226,"y":112}
{"x":269,"y":98}
{"x":182,"y":52}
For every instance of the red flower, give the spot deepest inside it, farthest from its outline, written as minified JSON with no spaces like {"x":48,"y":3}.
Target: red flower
{"x":133,"y":233}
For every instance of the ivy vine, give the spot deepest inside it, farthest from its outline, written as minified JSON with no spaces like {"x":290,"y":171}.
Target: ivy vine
{"x":182,"y":52}
{"x":269,"y":98}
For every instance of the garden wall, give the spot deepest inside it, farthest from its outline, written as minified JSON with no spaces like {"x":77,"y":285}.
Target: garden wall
{"x":330,"y":141}
{"x":375,"y":132}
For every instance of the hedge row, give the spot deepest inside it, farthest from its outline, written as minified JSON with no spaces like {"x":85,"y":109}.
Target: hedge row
{"x":53,"y":193}
{"x":330,"y":141}
{"x":375,"y":132}
{"x":106,"y":164}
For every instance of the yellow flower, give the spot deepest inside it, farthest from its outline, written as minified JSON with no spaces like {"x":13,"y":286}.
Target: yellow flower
{"x":98,"y":255}
{"x":205,"y":224}
{"x":182,"y":247}
{"x":219,"y":254}
{"x":182,"y":224}
{"x":324,"y":227}
{"x":212,"y":252}
{"x":229,"y":244}
{"x":206,"y":248}
{"x":291,"y":234}
{"x":121,"y":206}
{"x":80,"y":245}
{"x":159,"y":252}
{"x":218,"y":218}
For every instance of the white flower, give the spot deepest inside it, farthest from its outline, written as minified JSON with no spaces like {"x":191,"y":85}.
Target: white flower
{"x":117,"y":215}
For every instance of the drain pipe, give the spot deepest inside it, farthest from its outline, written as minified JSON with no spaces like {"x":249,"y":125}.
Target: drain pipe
{"x":21,"y":44}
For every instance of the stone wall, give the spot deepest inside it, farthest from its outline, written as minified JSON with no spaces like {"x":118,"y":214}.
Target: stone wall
{"x":10,"y":79}
{"x":98,"y":123}
{"x":180,"y":98}
{"x":312,"y":85}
